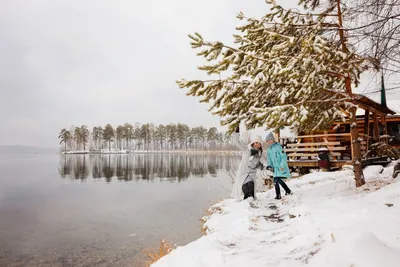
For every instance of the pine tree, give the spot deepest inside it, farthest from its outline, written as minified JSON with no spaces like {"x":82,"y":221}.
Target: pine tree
{"x":119,"y":135}
{"x":137,"y":135}
{"x":161,"y":135}
{"x":212,"y":137}
{"x":108,"y":135}
{"x":84,"y":135}
{"x":97,"y":135}
{"x":128,"y":133}
{"x":145,"y":135}
{"x":78,"y":137}
{"x":65,"y":137}
{"x":287,"y":68}
{"x":182,"y":131}
{"x":171,"y":130}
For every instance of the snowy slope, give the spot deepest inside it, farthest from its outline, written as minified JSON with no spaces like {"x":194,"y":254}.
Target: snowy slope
{"x":328,"y":222}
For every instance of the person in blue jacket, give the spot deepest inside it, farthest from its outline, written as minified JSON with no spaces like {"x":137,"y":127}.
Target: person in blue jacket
{"x":277,"y":162}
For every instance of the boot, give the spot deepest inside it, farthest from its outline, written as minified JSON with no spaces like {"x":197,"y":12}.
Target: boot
{"x":284,"y":185}
{"x":277,"y":191}
{"x":289,"y":193}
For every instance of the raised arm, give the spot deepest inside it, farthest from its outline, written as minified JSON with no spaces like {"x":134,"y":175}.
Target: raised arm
{"x":241,"y":138}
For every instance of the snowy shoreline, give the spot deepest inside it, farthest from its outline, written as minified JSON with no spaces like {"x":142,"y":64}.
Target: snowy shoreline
{"x":327,"y":222}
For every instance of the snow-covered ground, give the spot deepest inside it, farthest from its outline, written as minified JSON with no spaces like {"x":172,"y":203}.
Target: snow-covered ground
{"x":327,"y":222}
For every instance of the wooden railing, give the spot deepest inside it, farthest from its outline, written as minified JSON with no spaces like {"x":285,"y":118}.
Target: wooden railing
{"x":364,"y":143}
{"x":339,"y":145}
{"x":307,"y":146}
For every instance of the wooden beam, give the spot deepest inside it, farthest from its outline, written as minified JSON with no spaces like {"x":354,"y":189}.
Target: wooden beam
{"x":277,"y":134}
{"x":345,"y":112}
{"x":385,"y":129}
{"x":315,"y":144}
{"x":364,"y":107}
{"x":320,"y":135}
{"x":375,"y":135}
{"x":366,"y":122}
{"x":314,"y":163}
{"x":336,"y":154}
{"x":313,"y":149}
{"x":352,"y":147}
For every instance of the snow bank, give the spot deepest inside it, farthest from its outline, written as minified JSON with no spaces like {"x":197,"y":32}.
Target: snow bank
{"x":327,"y":222}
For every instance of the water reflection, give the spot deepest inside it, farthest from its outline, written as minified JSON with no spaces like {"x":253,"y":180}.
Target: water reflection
{"x":170,"y":167}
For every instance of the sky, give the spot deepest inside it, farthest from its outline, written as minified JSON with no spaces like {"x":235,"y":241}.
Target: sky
{"x":95,"y":62}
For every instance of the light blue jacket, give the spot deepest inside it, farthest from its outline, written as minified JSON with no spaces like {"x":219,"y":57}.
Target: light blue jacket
{"x":277,"y":159}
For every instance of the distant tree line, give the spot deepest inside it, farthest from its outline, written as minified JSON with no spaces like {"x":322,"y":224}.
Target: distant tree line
{"x":144,"y":137}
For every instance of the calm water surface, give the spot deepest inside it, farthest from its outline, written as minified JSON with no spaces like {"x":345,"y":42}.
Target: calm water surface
{"x":103,"y":210}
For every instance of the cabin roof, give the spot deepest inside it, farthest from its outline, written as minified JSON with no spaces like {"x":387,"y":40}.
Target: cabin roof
{"x":367,"y":103}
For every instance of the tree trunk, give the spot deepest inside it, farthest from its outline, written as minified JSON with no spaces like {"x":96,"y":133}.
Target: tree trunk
{"x":109,"y":145}
{"x":356,"y":149}
{"x":355,"y":142}
{"x":65,"y":146}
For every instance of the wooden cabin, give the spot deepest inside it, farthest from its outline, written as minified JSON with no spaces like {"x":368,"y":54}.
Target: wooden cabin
{"x":378,"y":123}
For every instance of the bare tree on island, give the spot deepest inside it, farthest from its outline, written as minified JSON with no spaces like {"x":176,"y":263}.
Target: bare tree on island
{"x":289,"y":67}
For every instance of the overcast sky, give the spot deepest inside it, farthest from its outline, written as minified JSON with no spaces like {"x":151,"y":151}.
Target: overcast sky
{"x":95,"y":62}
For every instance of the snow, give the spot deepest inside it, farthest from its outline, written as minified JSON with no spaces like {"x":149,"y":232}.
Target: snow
{"x":327,"y":222}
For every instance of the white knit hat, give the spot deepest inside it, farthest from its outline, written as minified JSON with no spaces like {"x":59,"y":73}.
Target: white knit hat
{"x":256,"y":138}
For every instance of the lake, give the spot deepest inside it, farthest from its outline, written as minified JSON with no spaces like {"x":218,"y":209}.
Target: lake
{"x":104,"y":210}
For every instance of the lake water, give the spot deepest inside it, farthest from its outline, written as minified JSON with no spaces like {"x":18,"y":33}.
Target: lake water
{"x":104,"y":210}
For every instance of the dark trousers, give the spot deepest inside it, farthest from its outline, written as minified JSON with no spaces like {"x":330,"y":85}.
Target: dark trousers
{"x":248,"y":189}
{"x":278,"y":181}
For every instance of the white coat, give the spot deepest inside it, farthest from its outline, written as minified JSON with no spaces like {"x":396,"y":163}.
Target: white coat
{"x":242,"y":141}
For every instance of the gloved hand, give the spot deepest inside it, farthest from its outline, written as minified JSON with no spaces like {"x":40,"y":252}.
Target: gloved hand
{"x":270,"y":168}
{"x":260,"y":166}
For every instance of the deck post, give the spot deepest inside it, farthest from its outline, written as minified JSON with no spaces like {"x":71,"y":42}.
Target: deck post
{"x":375,"y":135}
{"x":384,"y":124}
{"x":366,"y":122}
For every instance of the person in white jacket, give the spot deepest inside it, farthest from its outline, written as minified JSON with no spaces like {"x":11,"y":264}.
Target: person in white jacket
{"x":247,"y":170}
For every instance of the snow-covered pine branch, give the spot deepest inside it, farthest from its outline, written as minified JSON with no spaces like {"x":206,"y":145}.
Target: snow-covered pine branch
{"x":281,"y":72}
